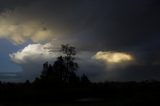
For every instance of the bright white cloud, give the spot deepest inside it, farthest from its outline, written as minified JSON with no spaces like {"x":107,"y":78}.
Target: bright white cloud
{"x":33,"y":53}
{"x":18,"y":29}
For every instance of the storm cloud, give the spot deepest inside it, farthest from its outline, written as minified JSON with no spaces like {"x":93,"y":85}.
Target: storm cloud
{"x":112,"y":24}
{"x":127,"y":26}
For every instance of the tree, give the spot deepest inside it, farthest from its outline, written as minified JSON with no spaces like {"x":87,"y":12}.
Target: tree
{"x":63,"y":69}
{"x":45,"y":70}
{"x":70,"y":66}
{"x":69,"y":53}
{"x":68,"y":50}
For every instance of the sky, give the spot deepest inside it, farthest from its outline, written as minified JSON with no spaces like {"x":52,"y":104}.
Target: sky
{"x":116,"y":40}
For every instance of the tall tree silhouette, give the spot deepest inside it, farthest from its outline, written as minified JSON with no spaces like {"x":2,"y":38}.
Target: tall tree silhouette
{"x":63,"y":69}
{"x":71,"y":66}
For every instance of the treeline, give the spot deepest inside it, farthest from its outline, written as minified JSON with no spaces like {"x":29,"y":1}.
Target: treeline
{"x":115,"y":92}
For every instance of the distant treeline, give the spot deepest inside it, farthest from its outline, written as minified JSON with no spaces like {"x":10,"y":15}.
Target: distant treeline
{"x":119,"y":92}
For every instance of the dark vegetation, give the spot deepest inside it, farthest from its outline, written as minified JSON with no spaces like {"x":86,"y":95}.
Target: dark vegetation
{"x":59,"y":83}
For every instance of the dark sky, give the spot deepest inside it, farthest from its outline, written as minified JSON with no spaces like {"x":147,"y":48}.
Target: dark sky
{"x":125,"y":26}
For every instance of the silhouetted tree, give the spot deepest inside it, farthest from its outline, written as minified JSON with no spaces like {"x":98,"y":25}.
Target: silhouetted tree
{"x":45,"y":70}
{"x":59,"y":69}
{"x":63,"y":69}
{"x":68,"y":58}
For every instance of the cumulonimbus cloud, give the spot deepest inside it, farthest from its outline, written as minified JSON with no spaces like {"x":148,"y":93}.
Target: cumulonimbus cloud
{"x":32,"y":57}
{"x":33,"y":53}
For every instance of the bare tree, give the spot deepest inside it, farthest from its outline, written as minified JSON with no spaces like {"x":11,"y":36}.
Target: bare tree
{"x":71,"y":66}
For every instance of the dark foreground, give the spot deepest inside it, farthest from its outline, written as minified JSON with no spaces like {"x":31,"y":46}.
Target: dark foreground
{"x":108,"y":94}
